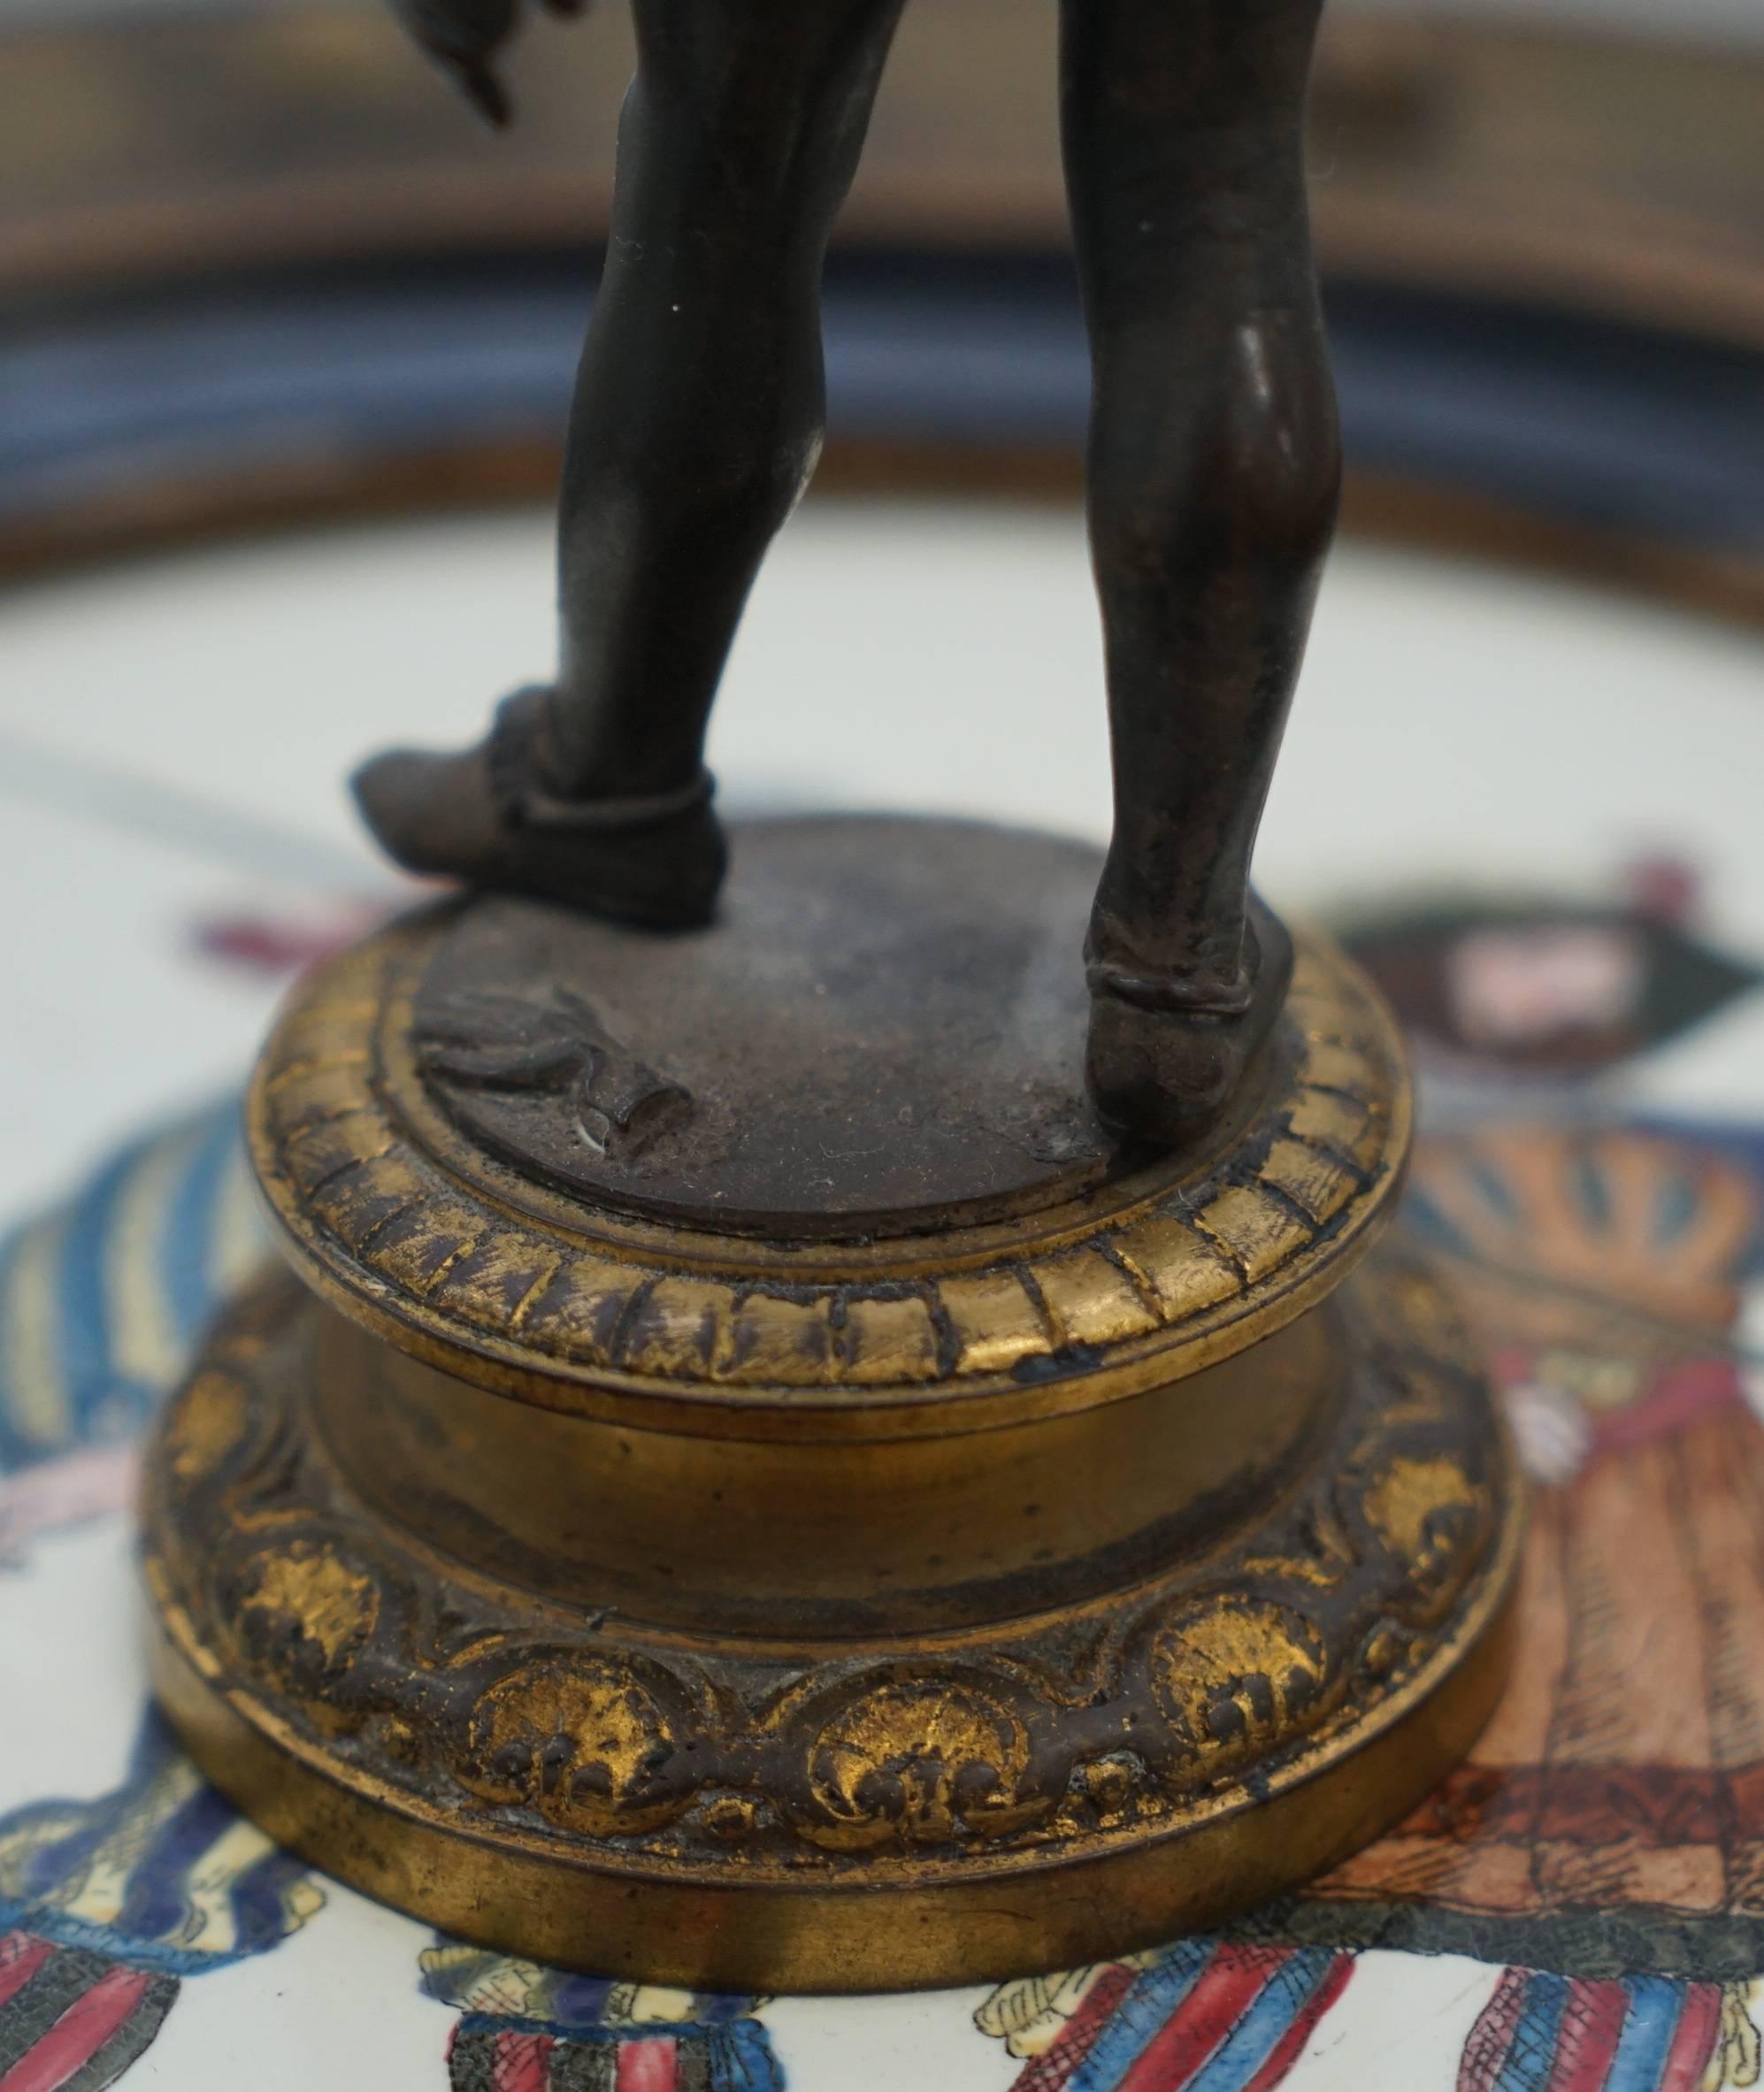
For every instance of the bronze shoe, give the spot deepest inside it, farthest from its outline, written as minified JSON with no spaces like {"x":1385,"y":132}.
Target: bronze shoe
{"x":1165,"y":1058}
{"x":487,"y":817}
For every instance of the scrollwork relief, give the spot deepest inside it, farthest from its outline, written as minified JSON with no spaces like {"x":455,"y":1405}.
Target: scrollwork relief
{"x":602,"y":1735}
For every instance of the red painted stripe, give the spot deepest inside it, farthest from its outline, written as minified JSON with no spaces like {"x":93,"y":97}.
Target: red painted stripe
{"x":1591,"y":2027}
{"x":1049,"y":2071}
{"x":1490,"y":2039}
{"x":523,"y":2061}
{"x":1700,"y":2029}
{"x":1676,"y":1400}
{"x":643,"y":2066}
{"x":1287,"y":2052}
{"x":1199,"y":2024}
{"x":21,"y":1956}
{"x":80,"y":2033}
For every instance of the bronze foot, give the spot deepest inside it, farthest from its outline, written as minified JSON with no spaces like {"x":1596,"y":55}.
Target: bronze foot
{"x":1165,"y":1057}
{"x":487,"y":816}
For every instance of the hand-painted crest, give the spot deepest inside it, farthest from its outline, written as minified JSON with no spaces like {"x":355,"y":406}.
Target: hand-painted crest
{"x":525,"y":2028}
{"x":1202,"y":2016}
{"x":101,"y":1303}
{"x":105,"y":1906}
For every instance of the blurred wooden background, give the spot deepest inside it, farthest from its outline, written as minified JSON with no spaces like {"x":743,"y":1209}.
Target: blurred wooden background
{"x":1609,"y":173}
{"x":1586,"y":212}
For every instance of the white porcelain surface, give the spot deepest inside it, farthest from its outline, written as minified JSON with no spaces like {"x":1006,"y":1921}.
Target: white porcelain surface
{"x":172,"y":737}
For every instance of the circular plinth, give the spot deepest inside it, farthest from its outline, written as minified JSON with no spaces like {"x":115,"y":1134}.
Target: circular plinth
{"x":822,"y":1611}
{"x":1124,"y":1273}
{"x":883,"y":1033}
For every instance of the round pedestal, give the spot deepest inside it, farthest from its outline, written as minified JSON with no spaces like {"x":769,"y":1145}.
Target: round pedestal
{"x":756,"y":1491}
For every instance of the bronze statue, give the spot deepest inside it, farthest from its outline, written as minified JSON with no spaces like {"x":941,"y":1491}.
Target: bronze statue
{"x":1213,"y":470}
{"x":750,"y":1482}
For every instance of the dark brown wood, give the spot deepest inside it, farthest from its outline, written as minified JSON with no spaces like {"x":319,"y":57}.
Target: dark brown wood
{"x":194,"y":507}
{"x":1605,"y":173}
{"x":1464,"y":155}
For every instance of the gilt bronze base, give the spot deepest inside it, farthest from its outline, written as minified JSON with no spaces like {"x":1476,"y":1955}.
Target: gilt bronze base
{"x":748,"y":1486}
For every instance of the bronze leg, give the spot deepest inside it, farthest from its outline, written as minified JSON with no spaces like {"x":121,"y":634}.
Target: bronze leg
{"x":1214,"y":476}
{"x":696,"y":424}
{"x":700,"y":404}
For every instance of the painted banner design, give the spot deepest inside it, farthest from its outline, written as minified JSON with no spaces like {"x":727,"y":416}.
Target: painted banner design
{"x":1542,"y":2033}
{"x":101,"y":1303}
{"x":526,"y":2028}
{"x":1199,"y":2016}
{"x":1604,"y":1849}
{"x":106,"y":1906}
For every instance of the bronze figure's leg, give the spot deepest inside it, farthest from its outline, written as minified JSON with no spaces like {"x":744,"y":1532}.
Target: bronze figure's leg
{"x":697,"y":421}
{"x":1213,"y":467}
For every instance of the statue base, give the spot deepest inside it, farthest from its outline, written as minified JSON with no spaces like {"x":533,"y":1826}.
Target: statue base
{"x":751,"y":1487}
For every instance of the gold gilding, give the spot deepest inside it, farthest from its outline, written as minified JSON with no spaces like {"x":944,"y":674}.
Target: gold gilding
{"x":818,"y":1616}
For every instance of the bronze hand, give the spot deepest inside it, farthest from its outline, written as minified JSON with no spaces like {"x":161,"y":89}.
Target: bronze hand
{"x":464,"y":36}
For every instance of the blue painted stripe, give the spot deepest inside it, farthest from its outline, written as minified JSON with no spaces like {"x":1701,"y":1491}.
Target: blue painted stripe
{"x":1142,"y":2013}
{"x":740,"y":2059}
{"x":146,"y":1930}
{"x":719,"y":2009}
{"x":86,"y":1342}
{"x":714,"y":2007}
{"x":155,"y":1956}
{"x":187,"y":1248}
{"x":1531,"y":2053}
{"x":1268,"y":2019}
{"x":31,"y":1830}
{"x":60,"y":1839}
{"x":1655,"y":2007}
{"x":260,"y":1904}
{"x":571,"y":2001}
{"x":154,"y":1748}
{"x":15,"y":1451}
{"x":155,"y":1902}
{"x":67,"y":1837}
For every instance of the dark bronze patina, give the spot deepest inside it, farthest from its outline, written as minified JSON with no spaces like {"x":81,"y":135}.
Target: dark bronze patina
{"x":1213,"y":471}
{"x":882,"y":1033}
